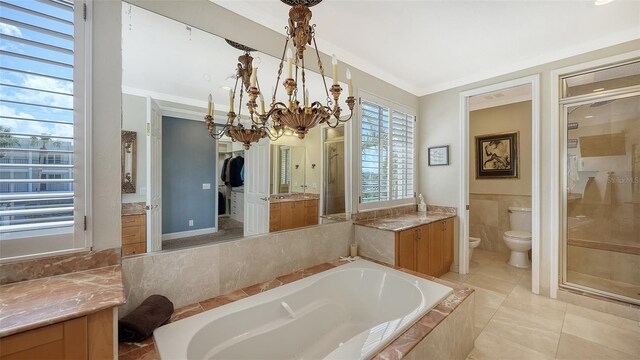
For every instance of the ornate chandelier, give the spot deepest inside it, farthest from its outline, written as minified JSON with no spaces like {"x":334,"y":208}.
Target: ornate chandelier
{"x":232,"y":128}
{"x":272,"y":122}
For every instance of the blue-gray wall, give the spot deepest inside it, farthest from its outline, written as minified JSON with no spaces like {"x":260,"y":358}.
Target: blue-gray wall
{"x":188,"y":161}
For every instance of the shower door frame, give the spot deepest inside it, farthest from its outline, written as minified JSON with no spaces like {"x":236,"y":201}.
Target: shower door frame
{"x":557,"y":273}
{"x":566,"y":104}
{"x":347,"y":140}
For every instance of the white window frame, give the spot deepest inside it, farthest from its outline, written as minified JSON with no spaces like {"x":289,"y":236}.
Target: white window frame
{"x":15,"y":247}
{"x":385,"y":204}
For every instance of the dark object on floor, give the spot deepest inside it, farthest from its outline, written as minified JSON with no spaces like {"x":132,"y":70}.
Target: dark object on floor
{"x":140,"y":323}
{"x":222,"y":206}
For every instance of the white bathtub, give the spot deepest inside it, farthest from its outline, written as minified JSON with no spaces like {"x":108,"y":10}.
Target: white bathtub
{"x":349,"y":312}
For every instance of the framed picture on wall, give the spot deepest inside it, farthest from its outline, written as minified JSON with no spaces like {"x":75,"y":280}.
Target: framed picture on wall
{"x":439,"y":155}
{"x":497,"y":156}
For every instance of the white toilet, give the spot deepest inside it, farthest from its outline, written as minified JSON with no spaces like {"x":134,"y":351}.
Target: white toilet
{"x":473,"y":243}
{"x":518,"y":239}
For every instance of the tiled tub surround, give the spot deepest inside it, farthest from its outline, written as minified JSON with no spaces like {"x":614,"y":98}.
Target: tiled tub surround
{"x":57,"y":265}
{"x":187,"y":276}
{"x":489,"y":219}
{"x":32,"y":304}
{"x":446,"y":332}
{"x":376,"y":237}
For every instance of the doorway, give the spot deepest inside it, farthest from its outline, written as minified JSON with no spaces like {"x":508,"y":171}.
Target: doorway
{"x":511,"y":92}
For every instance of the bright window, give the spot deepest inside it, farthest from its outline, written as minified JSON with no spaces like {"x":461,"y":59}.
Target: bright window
{"x":387,"y":154}
{"x":42,"y":127}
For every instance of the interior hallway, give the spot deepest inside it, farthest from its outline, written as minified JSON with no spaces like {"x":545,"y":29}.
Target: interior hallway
{"x":513,"y":323}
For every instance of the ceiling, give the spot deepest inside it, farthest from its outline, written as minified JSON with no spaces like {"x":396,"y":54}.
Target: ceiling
{"x":429,"y":46}
{"x":179,"y":65}
{"x":500,"y":97}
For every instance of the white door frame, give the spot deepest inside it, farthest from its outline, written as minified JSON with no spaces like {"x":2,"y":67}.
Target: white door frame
{"x":463,"y":256}
{"x":555,"y":165}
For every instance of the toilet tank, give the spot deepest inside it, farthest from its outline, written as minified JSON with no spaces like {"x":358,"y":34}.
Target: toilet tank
{"x":520,"y":218}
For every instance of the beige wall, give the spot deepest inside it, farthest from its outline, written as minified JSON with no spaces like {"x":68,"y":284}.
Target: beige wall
{"x":500,"y":119}
{"x":439,"y":124}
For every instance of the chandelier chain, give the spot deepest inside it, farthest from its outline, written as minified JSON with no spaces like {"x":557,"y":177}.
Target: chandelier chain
{"x":284,"y":53}
{"x":326,"y":90}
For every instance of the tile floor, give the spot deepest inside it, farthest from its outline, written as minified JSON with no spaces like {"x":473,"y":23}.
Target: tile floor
{"x":513,"y":323}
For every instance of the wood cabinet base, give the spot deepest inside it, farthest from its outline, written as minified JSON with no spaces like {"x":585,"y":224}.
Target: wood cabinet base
{"x":427,"y":249}
{"x":86,"y":337}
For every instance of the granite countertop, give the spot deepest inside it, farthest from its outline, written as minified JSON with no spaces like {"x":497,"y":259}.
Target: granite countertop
{"x":405,"y":221}
{"x":136,"y":208}
{"x":275,"y":199}
{"x":35,"y":303}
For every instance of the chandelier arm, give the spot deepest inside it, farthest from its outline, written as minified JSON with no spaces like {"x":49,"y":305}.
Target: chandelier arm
{"x":324,"y":81}
{"x":240,"y":105}
{"x":284,"y":53}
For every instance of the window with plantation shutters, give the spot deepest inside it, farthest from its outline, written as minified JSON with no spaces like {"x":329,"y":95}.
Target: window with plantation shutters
{"x":387,"y":154}
{"x":42,"y":124}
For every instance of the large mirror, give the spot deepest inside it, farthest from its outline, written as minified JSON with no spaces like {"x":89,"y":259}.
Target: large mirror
{"x":191,"y":189}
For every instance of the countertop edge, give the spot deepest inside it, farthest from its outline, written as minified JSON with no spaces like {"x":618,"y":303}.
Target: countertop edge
{"x":444,"y":216}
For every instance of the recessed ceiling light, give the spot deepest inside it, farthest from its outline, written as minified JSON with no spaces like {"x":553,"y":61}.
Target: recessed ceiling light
{"x":598,"y":89}
{"x":601,"y":2}
{"x":588,"y":116}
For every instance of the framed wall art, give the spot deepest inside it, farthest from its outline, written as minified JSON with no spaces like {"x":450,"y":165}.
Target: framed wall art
{"x":439,"y":155}
{"x":497,"y":156}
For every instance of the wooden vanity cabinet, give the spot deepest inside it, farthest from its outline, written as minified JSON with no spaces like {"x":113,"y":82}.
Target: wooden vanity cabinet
{"x":310,"y":212}
{"x":292,"y":214}
{"x":134,"y":234}
{"x":86,"y":337}
{"x":427,"y":249}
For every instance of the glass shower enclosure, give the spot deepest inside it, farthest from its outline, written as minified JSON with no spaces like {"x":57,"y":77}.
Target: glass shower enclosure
{"x":601,"y":197}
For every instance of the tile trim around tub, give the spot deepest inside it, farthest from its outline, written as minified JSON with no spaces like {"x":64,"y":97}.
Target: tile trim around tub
{"x":57,"y":265}
{"x":397,"y":349}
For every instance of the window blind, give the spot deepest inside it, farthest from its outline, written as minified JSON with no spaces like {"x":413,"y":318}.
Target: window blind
{"x":374,"y":182}
{"x":387,"y":159}
{"x":401,"y":155}
{"x":36,"y":115}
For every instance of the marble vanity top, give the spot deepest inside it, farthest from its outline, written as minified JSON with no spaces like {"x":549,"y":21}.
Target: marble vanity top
{"x":136,"y":208}
{"x":35,"y":303}
{"x":404,"y":221}
{"x":280,"y":198}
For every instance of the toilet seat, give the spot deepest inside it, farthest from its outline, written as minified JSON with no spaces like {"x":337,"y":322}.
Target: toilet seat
{"x":517,"y":235}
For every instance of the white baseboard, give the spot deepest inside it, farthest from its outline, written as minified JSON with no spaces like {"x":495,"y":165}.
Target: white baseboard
{"x":183,"y":234}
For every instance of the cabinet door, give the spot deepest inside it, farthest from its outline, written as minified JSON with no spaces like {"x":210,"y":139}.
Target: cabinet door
{"x":406,"y":249}
{"x":286,"y":215}
{"x":422,"y":249}
{"x":298,"y":213}
{"x":447,"y":245}
{"x":434,"y":252}
{"x":274,"y":217}
{"x":310,"y":212}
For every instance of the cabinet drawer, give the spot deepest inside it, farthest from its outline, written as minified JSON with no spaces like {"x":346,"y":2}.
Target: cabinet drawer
{"x":311,"y":203}
{"x":132,"y":249}
{"x":133,"y":235}
{"x":133,"y":220}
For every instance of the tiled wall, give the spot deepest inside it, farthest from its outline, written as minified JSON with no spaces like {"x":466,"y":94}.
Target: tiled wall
{"x":489,"y":219}
{"x":190,"y":275}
